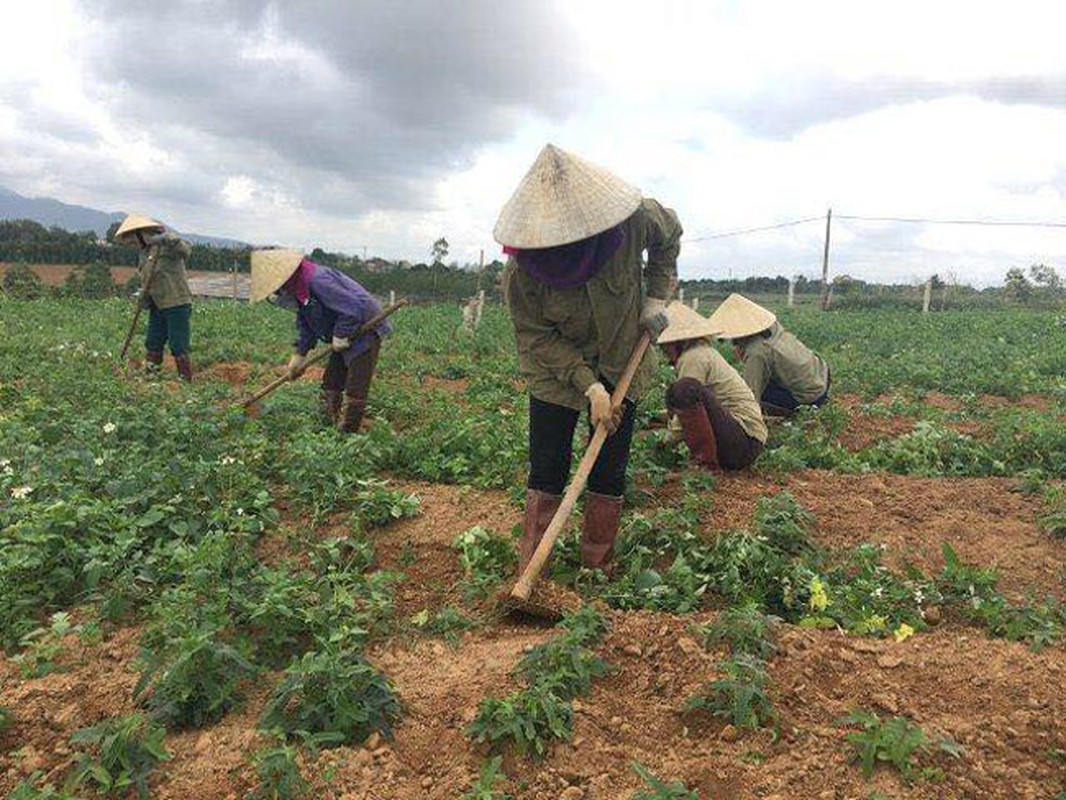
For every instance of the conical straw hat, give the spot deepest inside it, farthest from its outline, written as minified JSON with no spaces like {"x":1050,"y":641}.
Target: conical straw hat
{"x":270,"y":269}
{"x":738,"y":317}
{"x":136,"y":222}
{"x":563,"y":199}
{"x":684,"y":323}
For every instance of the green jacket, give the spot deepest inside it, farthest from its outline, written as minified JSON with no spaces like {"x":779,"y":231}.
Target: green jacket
{"x":786,"y":361}
{"x":164,"y":258}
{"x":568,"y":338}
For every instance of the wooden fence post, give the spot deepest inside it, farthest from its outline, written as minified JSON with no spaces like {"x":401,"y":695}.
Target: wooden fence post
{"x":825,"y":261}
{"x":928,"y":295}
{"x":791,"y":292}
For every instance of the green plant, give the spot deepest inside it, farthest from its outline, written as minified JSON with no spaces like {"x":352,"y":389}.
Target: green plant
{"x":278,"y":773}
{"x":28,"y":790}
{"x":484,"y":787}
{"x":486,"y":558}
{"x":527,"y":720}
{"x":7,"y":719}
{"x":125,"y":751}
{"x":43,"y":645}
{"x":377,"y":505}
{"x":563,"y":665}
{"x":745,"y":630}
{"x":192,"y":681}
{"x":660,"y":790}
{"x":22,"y":283}
{"x":740,"y":696}
{"x":337,"y":693}
{"x":784,"y":522}
{"x":448,"y":622}
{"x":897,"y":741}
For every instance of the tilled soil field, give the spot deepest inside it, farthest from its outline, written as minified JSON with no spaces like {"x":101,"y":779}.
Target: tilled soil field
{"x":1000,"y":701}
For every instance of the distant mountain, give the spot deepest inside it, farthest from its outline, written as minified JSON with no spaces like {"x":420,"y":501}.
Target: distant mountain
{"x":48,"y":211}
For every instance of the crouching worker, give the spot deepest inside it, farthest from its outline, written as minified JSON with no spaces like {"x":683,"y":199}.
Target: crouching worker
{"x":330,"y":307}
{"x":710,"y":405}
{"x":781,"y":371}
{"x":576,"y":235}
{"x":164,"y":291}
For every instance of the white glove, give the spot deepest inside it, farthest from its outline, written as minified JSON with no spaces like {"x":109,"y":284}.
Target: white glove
{"x":340,"y":343}
{"x":600,"y":410}
{"x":296,"y":366}
{"x":653,"y":317}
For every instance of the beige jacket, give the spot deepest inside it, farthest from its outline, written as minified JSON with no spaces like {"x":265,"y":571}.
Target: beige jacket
{"x":568,"y":338}
{"x":705,"y":364}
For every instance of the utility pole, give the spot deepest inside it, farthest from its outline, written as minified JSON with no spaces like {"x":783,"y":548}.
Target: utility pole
{"x":825,"y":261}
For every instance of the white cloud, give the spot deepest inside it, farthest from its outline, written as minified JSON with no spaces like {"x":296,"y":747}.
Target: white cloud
{"x":325,"y":127}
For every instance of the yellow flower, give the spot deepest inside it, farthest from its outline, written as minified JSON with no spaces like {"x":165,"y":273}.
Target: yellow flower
{"x":819,"y":596}
{"x":903,"y":632}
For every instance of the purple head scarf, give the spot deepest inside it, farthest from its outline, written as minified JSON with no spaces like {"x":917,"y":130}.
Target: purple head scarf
{"x":299,"y":283}
{"x":569,"y":265}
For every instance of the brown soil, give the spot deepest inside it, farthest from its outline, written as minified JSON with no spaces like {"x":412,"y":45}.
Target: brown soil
{"x":1000,"y":701}
{"x":983,"y":520}
{"x":56,"y":274}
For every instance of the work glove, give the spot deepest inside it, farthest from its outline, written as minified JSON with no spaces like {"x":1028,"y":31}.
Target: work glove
{"x":340,"y":343}
{"x":600,"y":409}
{"x":653,"y":317}
{"x":296,"y":365}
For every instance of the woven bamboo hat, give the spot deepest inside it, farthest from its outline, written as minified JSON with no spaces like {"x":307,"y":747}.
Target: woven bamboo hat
{"x":270,"y":269}
{"x":684,"y":323}
{"x":738,"y":317}
{"x":563,"y":199}
{"x":137,"y":222}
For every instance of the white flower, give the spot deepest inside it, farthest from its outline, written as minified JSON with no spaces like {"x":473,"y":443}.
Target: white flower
{"x":918,"y":596}
{"x":21,"y":492}
{"x":879,"y":592}
{"x":227,"y":460}
{"x":110,"y":427}
{"x":98,"y":461}
{"x":5,"y":462}
{"x":240,"y":512}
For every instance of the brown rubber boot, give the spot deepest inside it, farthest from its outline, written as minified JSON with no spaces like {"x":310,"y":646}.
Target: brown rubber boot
{"x":184,"y":365}
{"x":685,"y":399}
{"x":599,"y":529}
{"x":699,"y":435}
{"x":329,"y":405}
{"x":153,"y":361}
{"x":352,"y":416}
{"x":540,"y":508}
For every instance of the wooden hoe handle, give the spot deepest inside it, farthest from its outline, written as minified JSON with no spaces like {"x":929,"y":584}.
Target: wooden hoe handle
{"x":524,"y":585}
{"x":324,"y":353}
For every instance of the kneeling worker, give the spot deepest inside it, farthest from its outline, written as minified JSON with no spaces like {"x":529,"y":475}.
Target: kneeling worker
{"x":710,"y":405}
{"x":783,"y":373}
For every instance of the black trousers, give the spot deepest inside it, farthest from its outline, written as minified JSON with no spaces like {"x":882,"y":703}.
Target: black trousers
{"x":551,"y":440}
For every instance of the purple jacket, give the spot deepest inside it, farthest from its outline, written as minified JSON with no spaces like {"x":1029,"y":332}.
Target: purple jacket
{"x":337,"y":306}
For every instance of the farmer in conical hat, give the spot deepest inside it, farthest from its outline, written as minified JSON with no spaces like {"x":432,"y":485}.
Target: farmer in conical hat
{"x":710,"y":405}
{"x":782,"y":371}
{"x":164,"y":290}
{"x":330,"y":307}
{"x":579,"y":298}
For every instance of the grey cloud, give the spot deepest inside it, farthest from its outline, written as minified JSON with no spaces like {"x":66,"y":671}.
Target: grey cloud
{"x":389,"y":96}
{"x":800,"y":101}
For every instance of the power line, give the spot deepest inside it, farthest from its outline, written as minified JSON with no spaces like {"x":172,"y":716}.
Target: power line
{"x":998,"y":222}
{"x":753,"y":230}
{"x":863,"y":218}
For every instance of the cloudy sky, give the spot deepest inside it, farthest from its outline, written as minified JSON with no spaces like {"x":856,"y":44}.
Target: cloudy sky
{"x":384,"y":124}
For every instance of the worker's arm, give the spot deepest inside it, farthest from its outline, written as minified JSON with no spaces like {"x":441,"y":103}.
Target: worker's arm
{"x":662,"y":236}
